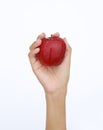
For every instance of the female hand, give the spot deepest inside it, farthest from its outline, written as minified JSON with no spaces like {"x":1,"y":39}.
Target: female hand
{"x":54,"y":79}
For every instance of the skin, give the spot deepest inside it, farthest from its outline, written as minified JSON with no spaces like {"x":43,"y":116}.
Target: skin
{"x":54,"y":80}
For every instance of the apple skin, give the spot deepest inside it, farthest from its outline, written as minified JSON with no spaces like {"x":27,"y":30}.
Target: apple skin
{"x":52,"y":51}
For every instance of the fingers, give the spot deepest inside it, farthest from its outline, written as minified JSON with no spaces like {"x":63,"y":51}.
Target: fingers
{"x":35,"y":44}
{"x":34,"y":48}
{"x":41,"y":36}
{"x":33,"y":53}
{"x":36,"y":51}
{"x":55,"y":34}
{"x":39,"y":40}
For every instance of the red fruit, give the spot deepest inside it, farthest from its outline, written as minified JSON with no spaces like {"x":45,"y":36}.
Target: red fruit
{"x":52,"y":51}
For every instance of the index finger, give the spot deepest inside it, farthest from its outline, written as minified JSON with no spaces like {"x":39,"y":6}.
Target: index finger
{"x":41,"y":36}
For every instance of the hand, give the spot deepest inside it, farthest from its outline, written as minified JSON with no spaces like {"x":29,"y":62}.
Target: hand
{"x":54,"y":78}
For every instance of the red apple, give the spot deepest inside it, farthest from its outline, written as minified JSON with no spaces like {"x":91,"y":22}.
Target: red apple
{"x":52,"y":51}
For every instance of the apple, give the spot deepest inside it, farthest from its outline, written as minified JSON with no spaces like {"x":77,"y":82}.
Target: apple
{"x":52,"y":51}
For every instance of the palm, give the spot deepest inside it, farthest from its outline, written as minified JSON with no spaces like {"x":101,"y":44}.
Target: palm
{"x":51,"y":77}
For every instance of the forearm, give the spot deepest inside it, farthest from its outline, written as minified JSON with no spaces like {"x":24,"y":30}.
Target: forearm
{"x":56,"y":112}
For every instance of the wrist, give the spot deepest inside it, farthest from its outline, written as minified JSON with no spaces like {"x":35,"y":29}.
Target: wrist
{"x":57,"y":96}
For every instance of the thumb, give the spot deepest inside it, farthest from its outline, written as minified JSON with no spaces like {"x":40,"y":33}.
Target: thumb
{"x":67,"y":58}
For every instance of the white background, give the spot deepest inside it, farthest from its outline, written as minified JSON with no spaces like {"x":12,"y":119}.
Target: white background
{"x":22,"y":100}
